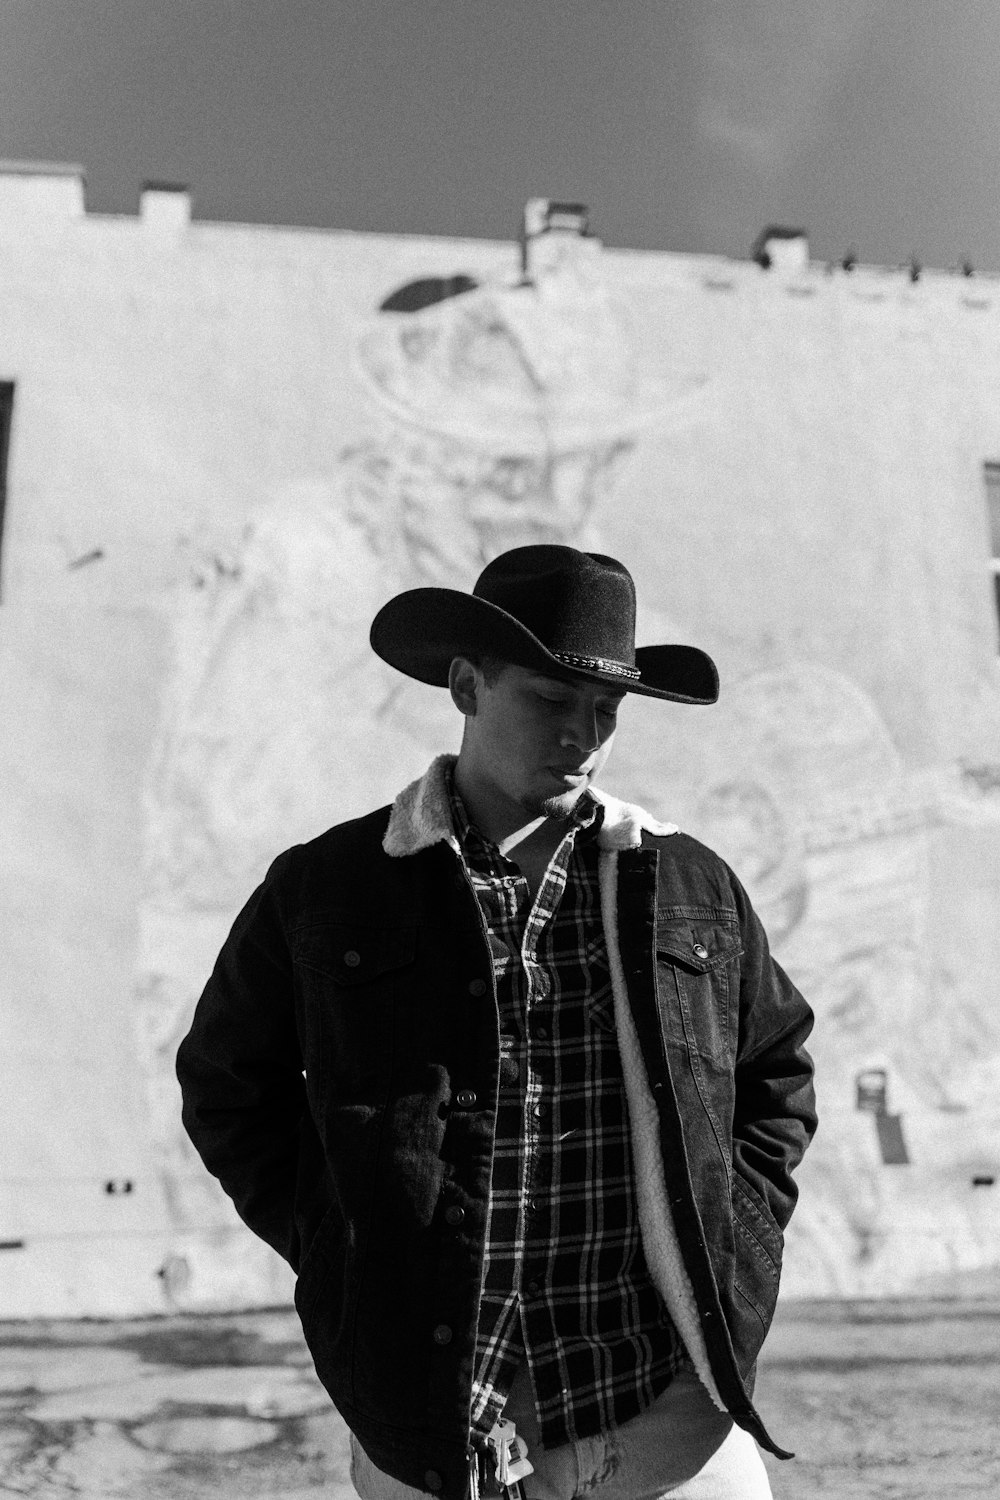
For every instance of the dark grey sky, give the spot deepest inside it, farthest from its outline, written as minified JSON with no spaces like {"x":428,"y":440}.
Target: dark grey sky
{"x":685,"y":124}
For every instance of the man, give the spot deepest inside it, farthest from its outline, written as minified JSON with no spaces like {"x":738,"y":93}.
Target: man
{"x":507,"y":1074}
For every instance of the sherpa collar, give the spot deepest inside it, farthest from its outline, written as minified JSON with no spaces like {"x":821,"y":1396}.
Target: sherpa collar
{"x":421,"y":816}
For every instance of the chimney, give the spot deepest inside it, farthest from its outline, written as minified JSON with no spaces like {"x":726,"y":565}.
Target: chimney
{"x":165,"y":206}
{"x":553,"y":235}
{"x":783,"y":250}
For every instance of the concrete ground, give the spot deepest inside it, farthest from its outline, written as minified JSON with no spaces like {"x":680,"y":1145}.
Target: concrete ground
{"x":889,"y":1400}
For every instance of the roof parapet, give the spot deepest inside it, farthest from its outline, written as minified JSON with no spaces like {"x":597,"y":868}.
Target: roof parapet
{"x":42,"y":189}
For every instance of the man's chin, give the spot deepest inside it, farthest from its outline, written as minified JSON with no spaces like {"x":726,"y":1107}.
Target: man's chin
{"x":560,"y":808}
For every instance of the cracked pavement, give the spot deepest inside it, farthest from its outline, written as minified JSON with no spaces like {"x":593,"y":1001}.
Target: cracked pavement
{"x":891,"y":1400}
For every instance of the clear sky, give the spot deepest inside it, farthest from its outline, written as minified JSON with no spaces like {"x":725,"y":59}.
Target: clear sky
{"x":685,"y":124}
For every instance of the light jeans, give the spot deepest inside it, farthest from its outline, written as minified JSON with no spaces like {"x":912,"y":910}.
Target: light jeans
{"x":680,"y":1446}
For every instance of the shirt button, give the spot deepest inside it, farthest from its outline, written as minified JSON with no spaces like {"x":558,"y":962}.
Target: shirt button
{"x":352,"y":958}
{"x":433,"y":1481}
{"x":478,"y":987}
{"x":700,"y":951}
{"x":540,"y":1111}
{"x":454,"y":1214}
{"x":542,"y":1032}
{"x":465,"y":1098}
{"x":533,"y":1288}
{"x":442,"y":1334}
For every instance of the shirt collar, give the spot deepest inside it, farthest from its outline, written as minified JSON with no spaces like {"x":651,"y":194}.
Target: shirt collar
{"x":585,"y":819}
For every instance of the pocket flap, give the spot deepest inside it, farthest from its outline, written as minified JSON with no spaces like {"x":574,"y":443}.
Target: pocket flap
{"x":353,"y":955}
{"x":698,"y":943}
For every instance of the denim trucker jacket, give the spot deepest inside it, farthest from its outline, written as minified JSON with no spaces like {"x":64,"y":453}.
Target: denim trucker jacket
{"x":340,"y":1079}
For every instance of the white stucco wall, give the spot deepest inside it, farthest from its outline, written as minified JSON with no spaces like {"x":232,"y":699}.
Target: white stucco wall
{"x":801,"y":494}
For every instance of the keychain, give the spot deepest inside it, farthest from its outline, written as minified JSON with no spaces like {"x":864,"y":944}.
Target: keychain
{"x":512,"y":1459}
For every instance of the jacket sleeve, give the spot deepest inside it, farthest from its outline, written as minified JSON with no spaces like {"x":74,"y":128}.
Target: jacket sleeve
{"x":240,"y":1071}
{"x":775,"y":1115}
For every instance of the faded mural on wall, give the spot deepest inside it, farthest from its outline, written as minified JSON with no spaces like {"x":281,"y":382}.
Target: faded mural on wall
{"x":808,"y":798}
{"x":503,"y":414}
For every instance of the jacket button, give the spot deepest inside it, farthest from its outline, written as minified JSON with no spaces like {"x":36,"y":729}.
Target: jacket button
{"x":433,"y":1480}
{"x":465,"y":1098}
{"x":478,"y":987}
{"x":442,"y":1334}
{"x":700,"y":951}
{"x":454,"y":1214}
{"x":352,"y":958}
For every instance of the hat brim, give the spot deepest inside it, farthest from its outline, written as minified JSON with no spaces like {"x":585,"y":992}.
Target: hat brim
{"x":421,"y":631}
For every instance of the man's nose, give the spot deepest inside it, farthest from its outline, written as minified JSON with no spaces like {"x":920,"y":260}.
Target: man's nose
{"x":580,"y":729}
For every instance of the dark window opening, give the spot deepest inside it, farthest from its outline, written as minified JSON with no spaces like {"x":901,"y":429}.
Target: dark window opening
{"x":6,"y":415}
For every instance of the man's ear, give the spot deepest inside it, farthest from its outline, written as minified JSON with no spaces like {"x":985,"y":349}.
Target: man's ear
{"x":463,"y":683}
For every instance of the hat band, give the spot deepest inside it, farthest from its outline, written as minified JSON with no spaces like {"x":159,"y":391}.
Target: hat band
{"x":597,"y":664}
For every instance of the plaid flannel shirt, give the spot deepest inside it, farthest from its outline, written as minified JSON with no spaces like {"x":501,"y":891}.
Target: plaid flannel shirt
{"x":566,"y":1282}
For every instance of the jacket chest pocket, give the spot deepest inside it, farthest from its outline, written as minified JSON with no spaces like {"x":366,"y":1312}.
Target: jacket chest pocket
{"x":697,"y":954}
{"x":351,"y":980}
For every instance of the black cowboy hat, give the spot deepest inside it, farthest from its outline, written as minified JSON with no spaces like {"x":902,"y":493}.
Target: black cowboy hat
{"x":553,"y":609}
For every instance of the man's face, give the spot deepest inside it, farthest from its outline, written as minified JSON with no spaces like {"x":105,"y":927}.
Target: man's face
{"x":537,"y":742}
